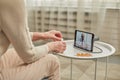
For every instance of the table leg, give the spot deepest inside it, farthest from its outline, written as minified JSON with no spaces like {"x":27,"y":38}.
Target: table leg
{"x":71,"y":70}
{"x":106,"y":68}
{"x":95,"y":76}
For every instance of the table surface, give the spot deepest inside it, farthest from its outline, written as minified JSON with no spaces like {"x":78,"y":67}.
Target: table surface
{"x":72,"y":51}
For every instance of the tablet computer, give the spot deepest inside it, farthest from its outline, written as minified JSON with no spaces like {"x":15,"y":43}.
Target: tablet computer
{"x":84,"y":40}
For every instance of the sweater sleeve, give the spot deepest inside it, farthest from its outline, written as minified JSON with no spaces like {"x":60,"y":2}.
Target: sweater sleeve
{"x":14,"y":25}
{"x":31,"y":35}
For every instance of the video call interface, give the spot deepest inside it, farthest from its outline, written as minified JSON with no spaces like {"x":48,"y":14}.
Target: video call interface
{"x":84,"y":40}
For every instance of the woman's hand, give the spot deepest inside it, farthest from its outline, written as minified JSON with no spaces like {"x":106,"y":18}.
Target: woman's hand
{"x":54,"y":35}
{"x":58,"y":46}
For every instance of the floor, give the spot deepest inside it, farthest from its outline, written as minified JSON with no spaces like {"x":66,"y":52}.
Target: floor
{"x":84,"y":69}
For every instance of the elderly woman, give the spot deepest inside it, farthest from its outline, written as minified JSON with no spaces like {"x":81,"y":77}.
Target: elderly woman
{"x":26,"y":62}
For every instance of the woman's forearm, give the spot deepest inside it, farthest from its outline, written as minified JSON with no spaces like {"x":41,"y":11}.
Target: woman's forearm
{"x":37,"y":36}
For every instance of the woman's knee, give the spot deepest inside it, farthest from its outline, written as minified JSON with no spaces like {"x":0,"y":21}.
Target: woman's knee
{"x":53,"y":59}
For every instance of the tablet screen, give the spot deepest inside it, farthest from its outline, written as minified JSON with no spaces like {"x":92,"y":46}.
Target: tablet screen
{"x":84,"y":40}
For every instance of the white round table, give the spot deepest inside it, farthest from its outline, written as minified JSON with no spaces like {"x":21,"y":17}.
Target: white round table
{"x":100,"y":50}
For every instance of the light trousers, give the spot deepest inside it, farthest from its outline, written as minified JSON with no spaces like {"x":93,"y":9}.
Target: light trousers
{"x":13,"y":68}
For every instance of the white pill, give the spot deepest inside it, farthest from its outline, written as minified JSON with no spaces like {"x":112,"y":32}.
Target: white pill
{"x":62,"y":39}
